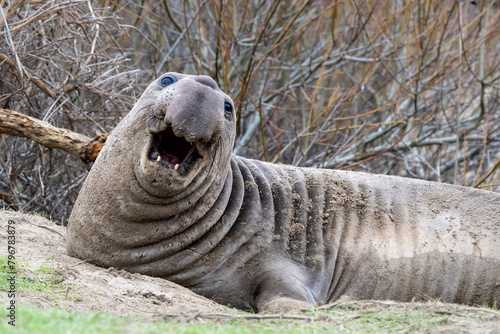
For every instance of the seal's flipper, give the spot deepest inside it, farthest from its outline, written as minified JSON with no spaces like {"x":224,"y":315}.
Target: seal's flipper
{"x":280,"y":294}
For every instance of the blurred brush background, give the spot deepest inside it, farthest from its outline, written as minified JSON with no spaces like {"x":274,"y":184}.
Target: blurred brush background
{"x":409,"y":88}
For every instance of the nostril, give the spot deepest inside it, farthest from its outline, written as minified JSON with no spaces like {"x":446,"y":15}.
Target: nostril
{"x":207,"y":81}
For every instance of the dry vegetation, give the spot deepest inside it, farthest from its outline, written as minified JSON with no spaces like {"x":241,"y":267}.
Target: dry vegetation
{"x":408,"y":88}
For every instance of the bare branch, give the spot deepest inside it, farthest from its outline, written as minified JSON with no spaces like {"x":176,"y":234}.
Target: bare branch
{"x":17,"y":124}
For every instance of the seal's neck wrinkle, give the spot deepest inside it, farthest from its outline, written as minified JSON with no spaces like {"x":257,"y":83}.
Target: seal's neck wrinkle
{"x":232,"y":217}
{"x":178,"y":211}
{"x":157,"y":233}
{"x":158,"y":246}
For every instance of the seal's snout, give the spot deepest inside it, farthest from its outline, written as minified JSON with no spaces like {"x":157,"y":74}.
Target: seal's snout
{"x":193,"y":107}
{"x":207,"y":81}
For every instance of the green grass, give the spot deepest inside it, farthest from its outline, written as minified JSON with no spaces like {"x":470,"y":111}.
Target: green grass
{"x":43,"y":279}
{"x":496,"y":305}
{"x":30,"y":320}
{"x":353,"y":317}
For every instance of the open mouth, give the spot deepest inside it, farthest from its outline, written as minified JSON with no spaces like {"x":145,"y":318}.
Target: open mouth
{"x":169,"y":148}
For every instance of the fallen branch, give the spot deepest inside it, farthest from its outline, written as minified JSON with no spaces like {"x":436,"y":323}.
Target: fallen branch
{"x":45,"y":227}
{"x":16,"y":124}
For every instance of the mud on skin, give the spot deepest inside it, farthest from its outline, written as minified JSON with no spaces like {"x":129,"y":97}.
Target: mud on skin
{"x":167,"y":198}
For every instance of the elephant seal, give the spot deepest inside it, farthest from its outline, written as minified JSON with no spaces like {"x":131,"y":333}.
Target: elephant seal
{"x":167,"y":198}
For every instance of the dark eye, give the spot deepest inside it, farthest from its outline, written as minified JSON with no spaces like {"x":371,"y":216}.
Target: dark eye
{"x":228,"y":108}
{"x":167,"y":80}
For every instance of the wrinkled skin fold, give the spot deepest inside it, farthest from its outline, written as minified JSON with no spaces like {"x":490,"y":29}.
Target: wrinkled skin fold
{"x":167,"y":198}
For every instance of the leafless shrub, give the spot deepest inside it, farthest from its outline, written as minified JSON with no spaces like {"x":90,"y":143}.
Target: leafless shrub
{"x":405,"y":87}
{"x":57,"y":63}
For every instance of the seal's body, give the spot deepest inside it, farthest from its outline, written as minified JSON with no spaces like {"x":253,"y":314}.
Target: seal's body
{"x":167,"y":198}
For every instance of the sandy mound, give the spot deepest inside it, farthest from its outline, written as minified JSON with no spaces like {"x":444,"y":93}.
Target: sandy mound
{"x":88,"y":287}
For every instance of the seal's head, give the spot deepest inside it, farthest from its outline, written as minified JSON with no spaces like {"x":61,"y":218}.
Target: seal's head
{"x":187,"y":119}
{"x":163,"y":168}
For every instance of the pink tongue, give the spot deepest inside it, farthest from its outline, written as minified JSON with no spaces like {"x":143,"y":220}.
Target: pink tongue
{"x":173,"y":159}
{"x":170,"y":158}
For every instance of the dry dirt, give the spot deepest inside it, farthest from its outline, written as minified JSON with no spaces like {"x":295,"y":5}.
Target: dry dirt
{"x":87,"y":287}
